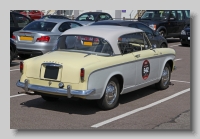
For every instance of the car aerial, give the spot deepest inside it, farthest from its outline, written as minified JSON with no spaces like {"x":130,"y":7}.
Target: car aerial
{"x":185,"y":35}
{"x":41,"y":36}
{"x":91,"y":17}
{"x":168,"y":23}
{"x":17,"y":22}
{"x":33,"y":14}
{"x":97,"y":63}
{"x":154,"y":37}
{"x":55,"y":17}
{"x":13,"y":50}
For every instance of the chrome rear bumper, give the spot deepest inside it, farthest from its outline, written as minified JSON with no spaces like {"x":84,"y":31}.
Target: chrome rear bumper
{"x":29,"y":89}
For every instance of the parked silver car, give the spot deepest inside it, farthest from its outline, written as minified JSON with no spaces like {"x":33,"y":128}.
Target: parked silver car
{"x":40,"y":36}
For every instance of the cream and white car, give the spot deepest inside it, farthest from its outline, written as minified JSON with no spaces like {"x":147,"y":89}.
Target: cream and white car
{"x":97,"y":62}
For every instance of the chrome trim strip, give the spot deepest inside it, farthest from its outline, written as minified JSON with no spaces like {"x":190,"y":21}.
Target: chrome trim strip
{"x":51,"y":64}
{"x":55,"y":91}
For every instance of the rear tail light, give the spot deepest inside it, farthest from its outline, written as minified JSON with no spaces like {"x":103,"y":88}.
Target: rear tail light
{"x":21,"y":67}
{"x":82,"y":74}
{"x":13,"y":37}
{"x":43,"y":39}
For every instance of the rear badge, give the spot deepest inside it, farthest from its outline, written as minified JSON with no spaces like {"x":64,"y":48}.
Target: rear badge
{"x":145,"y":69}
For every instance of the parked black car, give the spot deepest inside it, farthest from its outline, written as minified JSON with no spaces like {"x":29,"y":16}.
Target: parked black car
{"x":185,"y":35}
{"x":168,"y":23}
{"x":55,"y":17}
{"x":17,"y":22}
{"x":154,"y":36}
{"x":13,"y":50}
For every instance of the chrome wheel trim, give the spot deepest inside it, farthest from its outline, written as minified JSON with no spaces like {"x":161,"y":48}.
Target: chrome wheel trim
{"x":111,"y":92}
{"x":165,"y":76}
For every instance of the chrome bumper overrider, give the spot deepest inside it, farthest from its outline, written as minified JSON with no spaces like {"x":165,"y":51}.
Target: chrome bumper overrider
{"x":29,"y":89}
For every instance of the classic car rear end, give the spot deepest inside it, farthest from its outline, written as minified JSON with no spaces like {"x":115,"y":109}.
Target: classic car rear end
{"x":97,"y":62}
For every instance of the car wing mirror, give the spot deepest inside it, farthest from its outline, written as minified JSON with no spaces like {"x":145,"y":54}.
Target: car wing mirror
{"x":139,"y":18}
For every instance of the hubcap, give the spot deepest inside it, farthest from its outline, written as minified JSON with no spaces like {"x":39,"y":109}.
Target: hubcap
{"x":165,"y":76}
{"x":111,"y":92}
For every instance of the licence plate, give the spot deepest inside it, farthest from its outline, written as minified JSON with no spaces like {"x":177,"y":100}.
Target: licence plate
{"x":188,"y":38}
{"x":26,"y":38}
{"x":51,"y":72}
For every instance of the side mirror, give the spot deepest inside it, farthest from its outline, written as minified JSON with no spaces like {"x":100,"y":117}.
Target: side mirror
{"x":139,"y":18}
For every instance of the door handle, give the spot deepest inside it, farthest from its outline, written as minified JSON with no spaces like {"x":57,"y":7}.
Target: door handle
{"x":138,"y":55}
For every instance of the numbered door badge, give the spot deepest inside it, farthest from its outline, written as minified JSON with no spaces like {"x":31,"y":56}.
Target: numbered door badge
{"x":145,"y":69}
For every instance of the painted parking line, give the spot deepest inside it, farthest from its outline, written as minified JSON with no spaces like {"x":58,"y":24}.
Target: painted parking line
{"x":14,"y":69}
{"x":179,"y":81}
{"x":175,"y":45}
{"x":17,"y":95}
{"x":177,"y":59}
{"x":139,"y":109}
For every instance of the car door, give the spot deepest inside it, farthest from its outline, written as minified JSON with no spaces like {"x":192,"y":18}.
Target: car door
{"x":173,"y":27}
{"x":147,"y":60}
{"x":180,"y":20}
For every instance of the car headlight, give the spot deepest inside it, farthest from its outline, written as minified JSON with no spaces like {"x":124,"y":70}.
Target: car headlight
{"x":152,"y":26}
{"x":183,"y":32}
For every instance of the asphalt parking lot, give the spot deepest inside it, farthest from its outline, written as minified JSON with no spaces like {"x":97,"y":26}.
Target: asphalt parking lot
{"x":144,"y":109}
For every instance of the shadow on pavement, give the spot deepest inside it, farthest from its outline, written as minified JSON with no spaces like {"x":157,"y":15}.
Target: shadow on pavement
{"x":173,"y":40}
{"x":84,"y":107}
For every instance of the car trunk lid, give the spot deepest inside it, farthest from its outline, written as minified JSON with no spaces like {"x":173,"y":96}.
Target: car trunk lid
{"x":59,"y":66}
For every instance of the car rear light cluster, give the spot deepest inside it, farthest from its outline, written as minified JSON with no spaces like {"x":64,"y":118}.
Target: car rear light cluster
{"x":43,"y":39}
{"x":82,"y":74}
{"x":21,"y":66}
{"x":13,"y":37}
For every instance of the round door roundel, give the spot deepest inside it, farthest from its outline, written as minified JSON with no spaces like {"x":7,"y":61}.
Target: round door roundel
{"x":145,"y":69}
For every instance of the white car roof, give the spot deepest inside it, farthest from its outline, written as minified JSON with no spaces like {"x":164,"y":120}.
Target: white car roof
{"x":108,"y":32}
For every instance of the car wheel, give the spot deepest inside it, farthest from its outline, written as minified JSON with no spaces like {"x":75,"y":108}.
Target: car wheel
{"x":163,"y":45}
{"x":111,"y":95}
{"x":24,"y":56}
{"x":165,"y":78}
{"x":47,"y":98}
{"x":162,"y":33}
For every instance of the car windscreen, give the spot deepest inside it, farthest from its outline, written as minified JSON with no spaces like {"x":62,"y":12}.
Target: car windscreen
{"x":40,"y":26}
{"x":87,"y":17}
{"x":155,"y":15}
{"x":82,"y":43}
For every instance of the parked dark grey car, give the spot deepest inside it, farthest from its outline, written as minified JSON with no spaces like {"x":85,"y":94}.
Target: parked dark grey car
{"x":154,"y":36}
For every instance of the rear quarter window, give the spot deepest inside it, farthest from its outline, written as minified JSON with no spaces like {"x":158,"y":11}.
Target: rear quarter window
{"x":40,"y":26}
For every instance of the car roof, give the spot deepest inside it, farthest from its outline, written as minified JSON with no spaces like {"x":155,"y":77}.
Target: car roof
{"x":101,"y":31}
{"x":119,"y":22}
{"x":95,"y":13}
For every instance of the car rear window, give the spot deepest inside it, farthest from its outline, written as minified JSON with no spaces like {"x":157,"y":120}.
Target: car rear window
{"x":84,"y":43}
{"x":40,"y":26}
